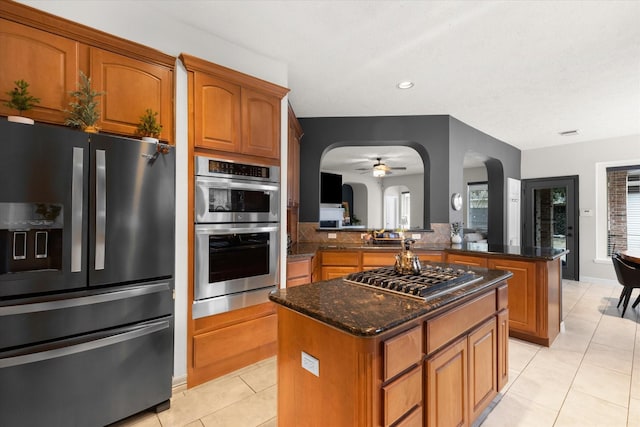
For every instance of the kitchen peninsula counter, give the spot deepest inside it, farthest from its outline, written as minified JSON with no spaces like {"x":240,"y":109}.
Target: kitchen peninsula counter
{"x":351,"y":355}
{"x":535,"y":290}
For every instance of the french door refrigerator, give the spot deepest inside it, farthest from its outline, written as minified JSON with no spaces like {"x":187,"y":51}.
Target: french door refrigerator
{"x":86,"y":276}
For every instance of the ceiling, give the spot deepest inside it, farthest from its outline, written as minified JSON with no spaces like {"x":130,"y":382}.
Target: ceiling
{"x":520,"y":71}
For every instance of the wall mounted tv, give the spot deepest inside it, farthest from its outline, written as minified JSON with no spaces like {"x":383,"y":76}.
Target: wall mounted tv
{"x":330,"y":188}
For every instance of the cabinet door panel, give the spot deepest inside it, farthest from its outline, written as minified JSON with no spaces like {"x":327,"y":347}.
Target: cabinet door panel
{"x":466,"y":260}
{"x":216,"y":113}
{"x":260,"y":124}
{"x":329,"y":273}
{"x":130,"y":87}
{"x":47,"y":62}
{"x":447,"y":386}
{"x":522,"y":293}
{"x":483,"y":376}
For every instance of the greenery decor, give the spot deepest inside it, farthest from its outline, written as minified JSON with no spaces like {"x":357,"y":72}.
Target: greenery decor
{"x":456,"y":228}
{"x":84,"y":110}
{"x":149,"y":125}
{"x":21,"y":100}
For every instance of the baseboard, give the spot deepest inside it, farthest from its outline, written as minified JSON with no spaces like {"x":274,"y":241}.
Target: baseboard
{"x":598,"y":280}
{"x":178,"y":384}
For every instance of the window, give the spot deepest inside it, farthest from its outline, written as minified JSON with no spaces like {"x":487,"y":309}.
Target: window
{"x":623,"y":208}
{"x":478,"y":206}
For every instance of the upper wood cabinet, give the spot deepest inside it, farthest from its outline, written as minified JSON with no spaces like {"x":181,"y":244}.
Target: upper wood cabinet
{"x":260,"y":124}
{"x":49,"y":63}
{"x":48,"y":52}
{"x":216,"y":108}
{"x":233,"y":112}
{"x":130,"y":87}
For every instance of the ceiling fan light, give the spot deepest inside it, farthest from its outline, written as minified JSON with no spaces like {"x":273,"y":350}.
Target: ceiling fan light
{"x":379,"y":172}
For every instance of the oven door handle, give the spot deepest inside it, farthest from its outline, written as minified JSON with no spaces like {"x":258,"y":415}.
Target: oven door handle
{"x":216,"y":229}
{"x":225,"y":183}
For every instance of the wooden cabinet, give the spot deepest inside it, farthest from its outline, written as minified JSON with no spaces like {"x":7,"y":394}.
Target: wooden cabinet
{"x":377,"y":259}
{"x":260,"y":124}
{"x":293,"y":160}
{"x":462,"y":379}
{"x":48,"y":52}
{"x":534,"y":298}
{"x":299,"y":271}
{"x":229,"y":341}
{"x":216,"y":113}
{"x":431,"y":256}
{"x":131,"y":86}
{"x":49,"y":63}
{"x":392,"y":379}
{"x":339,"y":263}
{"x":446,"y":386}
{"x":233,"y":112}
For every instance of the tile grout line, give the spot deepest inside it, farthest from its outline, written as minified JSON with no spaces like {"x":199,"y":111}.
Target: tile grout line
{"x":564,"y":400}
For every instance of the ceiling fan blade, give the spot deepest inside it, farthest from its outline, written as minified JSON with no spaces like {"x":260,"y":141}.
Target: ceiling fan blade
{"x":399,"y":168}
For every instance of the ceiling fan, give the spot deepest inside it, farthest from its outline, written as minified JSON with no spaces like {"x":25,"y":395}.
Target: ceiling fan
{"x":380,"y":169}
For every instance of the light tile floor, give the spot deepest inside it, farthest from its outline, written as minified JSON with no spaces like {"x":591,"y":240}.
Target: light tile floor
{"x":590,"y":376}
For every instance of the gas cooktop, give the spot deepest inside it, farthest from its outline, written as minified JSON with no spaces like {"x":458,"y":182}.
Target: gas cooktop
{"x":432,"y":281}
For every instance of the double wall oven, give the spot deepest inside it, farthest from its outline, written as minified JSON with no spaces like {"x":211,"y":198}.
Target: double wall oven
{"x":237,"y":214}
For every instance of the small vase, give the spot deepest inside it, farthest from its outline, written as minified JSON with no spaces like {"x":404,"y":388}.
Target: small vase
{"x":150,"y":139}
{"x":456,"y":238}
{"x":20,"y":119}
{"x":91,"y":129}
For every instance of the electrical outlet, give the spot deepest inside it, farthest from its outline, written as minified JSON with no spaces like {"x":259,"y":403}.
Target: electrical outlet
{"x":332,"y":236}
{"x":310,"y":363}
{"x":416,"y":236}
{"x":362,"y":235}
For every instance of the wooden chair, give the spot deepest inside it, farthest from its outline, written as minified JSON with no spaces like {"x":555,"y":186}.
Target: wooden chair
{"x":629,"y":277}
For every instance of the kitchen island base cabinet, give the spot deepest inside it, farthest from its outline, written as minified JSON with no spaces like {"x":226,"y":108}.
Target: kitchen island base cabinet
{"x":439,"y":369}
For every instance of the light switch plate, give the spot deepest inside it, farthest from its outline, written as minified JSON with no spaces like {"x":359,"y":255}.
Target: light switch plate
{"x":332,"y":236}
{"x":416,"y":236}
{"x":310,"y":364}
{"x":586,"y":212}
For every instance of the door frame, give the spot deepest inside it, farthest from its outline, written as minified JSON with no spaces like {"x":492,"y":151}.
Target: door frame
{"x":572,"y":270}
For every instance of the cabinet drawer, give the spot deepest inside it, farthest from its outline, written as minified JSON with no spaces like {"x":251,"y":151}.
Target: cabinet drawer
{"x":298,"y":268}
{"x":234,"y":340}
{"x":413,"y":420}
{"x":340,"y":258}
{"x":430,"y":256}
{"x":298,"y":281}
{"x":376,"y":259}
{"x":402,"y":395}
{"x":401,"y":352}
{"x":466,"y":260}
{"x":446,"y":327}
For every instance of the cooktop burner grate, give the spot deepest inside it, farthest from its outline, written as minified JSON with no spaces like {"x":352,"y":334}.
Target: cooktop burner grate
{"x":430,"y":283}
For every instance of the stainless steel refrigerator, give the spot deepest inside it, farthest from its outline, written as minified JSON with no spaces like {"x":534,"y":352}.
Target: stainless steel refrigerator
{"x":86,"y":276}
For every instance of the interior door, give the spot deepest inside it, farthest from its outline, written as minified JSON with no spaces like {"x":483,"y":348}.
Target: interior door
{"x":132,"y":211}
{"x":550,"y":212}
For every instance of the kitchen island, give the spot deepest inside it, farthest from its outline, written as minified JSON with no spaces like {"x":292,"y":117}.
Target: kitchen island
{"x":349,"y":355}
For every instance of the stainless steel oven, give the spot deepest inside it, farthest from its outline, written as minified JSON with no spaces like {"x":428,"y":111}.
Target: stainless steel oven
{"x":236,"y":235}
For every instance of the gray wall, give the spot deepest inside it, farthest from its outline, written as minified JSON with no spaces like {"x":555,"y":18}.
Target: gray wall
{"x":442,"y":142}
{"x":503,"y":163}
{"x":428,"y":135}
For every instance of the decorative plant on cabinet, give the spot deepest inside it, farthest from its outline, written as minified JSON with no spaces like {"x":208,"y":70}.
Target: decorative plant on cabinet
{"x":84,"y":111}
{"x":149,"y":128}
{"x":21,"y":100}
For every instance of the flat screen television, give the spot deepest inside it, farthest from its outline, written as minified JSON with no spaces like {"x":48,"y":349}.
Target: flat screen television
{"x":330,"y":188}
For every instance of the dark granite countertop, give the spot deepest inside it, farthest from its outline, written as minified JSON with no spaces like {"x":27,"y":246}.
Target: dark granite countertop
{"x":368,"y":312}
{"x":470,"y":248}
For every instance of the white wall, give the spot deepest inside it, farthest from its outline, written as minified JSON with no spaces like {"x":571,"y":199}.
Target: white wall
{"x":142,"y":23}
{"x":584,"y":159}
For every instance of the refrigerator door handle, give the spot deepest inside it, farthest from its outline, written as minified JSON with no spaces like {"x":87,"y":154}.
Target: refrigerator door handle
{"x":101,"y":208}
{"x":64,"y":303}
{"x":76,"y":209}
{"x":130,"y":333}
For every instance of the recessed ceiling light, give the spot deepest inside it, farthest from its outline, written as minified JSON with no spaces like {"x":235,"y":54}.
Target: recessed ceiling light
{"x":405,"y":85}
{"x":569,"y":132}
